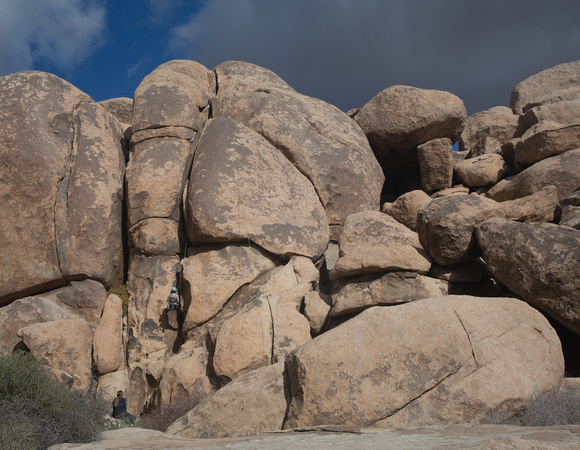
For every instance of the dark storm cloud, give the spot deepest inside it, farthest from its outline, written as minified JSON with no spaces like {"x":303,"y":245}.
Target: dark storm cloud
{"x":346,"y":51}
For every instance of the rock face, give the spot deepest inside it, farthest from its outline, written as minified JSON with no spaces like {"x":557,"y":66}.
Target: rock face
{"x":539,"y":262}
{"x":108,"y":338}
{"x":546,"y":139}
{"x":446,"y":225}
{"x":402,"y":117}
{"x":242,"y":188}
{"x":444,"y":360}
{"x":484,"y":170}
{"x":405,"y":208}
{"x":499,"y":123}
{"x":373,"y":242}
{"x":226,"y":413}
{"x":322,"y":142}
{"x":436,"y":164}
{"x":57,"y":146}
{"x":66,"y":346}
{"x":560,"y":171}
{"x":556,"y":78}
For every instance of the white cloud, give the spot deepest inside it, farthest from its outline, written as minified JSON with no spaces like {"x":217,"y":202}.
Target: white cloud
{"x":58,"y":32}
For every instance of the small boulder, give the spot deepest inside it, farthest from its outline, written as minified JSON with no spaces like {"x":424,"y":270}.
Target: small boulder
{"x":538,"y":207}
{"x":499,"y":123}
{"x":373,"y":242}
{"x":446,"y":225}
{"x":563,"y":112}
{"x":108,"y":337}
{"x":405,"y":208}
{"x":316,"y":309}
{"x":546,"y":139}
{"x":481,"y":171}
{"x":436,"y":164}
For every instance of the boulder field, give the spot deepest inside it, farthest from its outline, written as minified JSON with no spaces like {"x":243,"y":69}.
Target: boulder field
{"x":333,"y":269}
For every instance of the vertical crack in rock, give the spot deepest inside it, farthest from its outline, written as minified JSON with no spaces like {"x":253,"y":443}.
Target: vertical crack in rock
{"x":470,"y":341}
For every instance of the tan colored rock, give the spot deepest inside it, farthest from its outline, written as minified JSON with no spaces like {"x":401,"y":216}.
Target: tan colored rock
{"x":64,"y":345}
{"x":548,"y":81}
{"x":391,"y":289}
{"x":23,"y":312}
{"x":563,"y":112}
{"x":157,"y":236}
{"x":316,"y":309}
{"x":538,"y":207}
{"x":252,"y":404}
{"x":242,"y":188}
{"x":156,"y":176}
{"x":269,"y":326}
{"x":92,"y":187}
{"x":320,"y":140}
{"x":244,"y":342}
{"x":108,"y":337}
{"x":110,"y":384}
{"x":43,"y":129}
{"x":539,"y":262}
{"x":185,"y":376}
{"x":121,"y":108}
{"x":560,"y":171}
{"x":561,"y":95}
{"x":446,"y":225}
{"x":546,"y":139}
{"x":499,"y":123}
{"x":455,"y":190}
{"x":489,"y":145}
{"x":173,"y":95}
{"x":434,"y":361}
{"x":83,"y":298}
{"x":211,"y":277}
{"x":466,"y":272}
{"x":570,"y":217}
{"x":436,"y":164}
{"x":373,"y":242}
{"x":481,"y":171}
{"x":402,"y":117}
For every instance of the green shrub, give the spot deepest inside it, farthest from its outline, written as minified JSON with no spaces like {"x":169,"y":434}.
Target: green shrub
{"x":37,"y":412}
{"x":555,"y":408}
{"x":121,"y":292}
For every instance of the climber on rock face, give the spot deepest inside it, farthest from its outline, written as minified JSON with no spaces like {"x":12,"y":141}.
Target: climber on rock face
{"x":173,"y":300}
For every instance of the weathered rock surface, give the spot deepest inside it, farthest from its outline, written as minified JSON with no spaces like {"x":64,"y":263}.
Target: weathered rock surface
{"x":185,"y":376}
{"x":373,"y":242}
{"x":436,"y":164}
{"x":173,"y":95}
{"x":402,"y":117}
{"x":546,"y":139}
{"x":320,"y":140}
{"x":108,"y":337}
{"x":157,"y":236}
{"x":405,"y":208}
{"x":121,"y":108}
{"x":564,"y":112}
{"x":481,"y":171}
{"x":65,"y":345}
{"x":444,"y":360}
{"x":390,"y":289}
{"x":499,"y":122}
{"x":251,"y":404}
{"x":446,"y":225}
{"x":555,"y":78}
{"x":560,"y":171}
{"x":46,"y":149}
{"x":539,"y":262}
{"x":212,"y":276}
{"x":538,"y":207}
{"x":269,"y":327}
{"x":242,"y":188}
{"x":316,"y":309}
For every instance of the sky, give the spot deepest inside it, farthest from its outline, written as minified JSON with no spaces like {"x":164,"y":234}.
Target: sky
{"x":342,"y":51}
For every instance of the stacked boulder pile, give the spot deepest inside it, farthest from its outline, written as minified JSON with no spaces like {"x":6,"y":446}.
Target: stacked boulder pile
{"x":333,"y":268}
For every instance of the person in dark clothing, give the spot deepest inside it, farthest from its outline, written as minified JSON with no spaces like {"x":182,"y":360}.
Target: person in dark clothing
{"x":173,"y":300}
{"x":120,"y":408}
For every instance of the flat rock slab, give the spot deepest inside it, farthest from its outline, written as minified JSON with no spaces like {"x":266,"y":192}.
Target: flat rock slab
{"x":435,"y":437}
